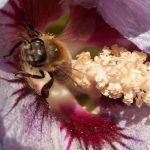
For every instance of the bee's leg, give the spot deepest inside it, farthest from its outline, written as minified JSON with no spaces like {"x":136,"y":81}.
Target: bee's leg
{"x":31,"y":76}
{"x":13,"y":49}
{"x":47,"y":86}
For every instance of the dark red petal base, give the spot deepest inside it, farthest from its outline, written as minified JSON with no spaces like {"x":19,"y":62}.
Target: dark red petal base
{"x":89,"y":129}
{"x":36,"y":12}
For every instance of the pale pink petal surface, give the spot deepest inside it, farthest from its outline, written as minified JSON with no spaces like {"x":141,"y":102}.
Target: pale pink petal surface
{"x":132,"y":21}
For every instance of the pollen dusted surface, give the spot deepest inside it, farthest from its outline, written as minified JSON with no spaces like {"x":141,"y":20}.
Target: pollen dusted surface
{"x":116,"y":73}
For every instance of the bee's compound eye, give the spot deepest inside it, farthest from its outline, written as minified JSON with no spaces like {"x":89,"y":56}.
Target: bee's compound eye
{"x":36,"y":53}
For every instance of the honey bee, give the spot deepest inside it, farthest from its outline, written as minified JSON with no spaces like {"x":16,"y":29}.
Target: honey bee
{"x":45,"y":53}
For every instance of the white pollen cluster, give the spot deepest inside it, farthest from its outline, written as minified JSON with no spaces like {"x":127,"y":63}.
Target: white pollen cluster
{"x":115,"y":73}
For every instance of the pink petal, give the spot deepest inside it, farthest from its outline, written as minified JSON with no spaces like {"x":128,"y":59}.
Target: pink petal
{"x":74,"y":127}
{"x":33,"y":12}
{"x":130,"y":18}
{"x":15,"y":134}
{"x":33,"y":124}
{"x":135,"y":121}
{"x":87,"y":25}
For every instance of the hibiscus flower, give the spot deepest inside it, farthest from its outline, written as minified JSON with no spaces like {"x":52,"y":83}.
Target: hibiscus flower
{"x":85,"y":115}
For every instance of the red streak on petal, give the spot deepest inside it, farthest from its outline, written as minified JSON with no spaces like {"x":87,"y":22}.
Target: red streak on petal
{"x":36,"y":12}
{"x":37,"y":108}
{"x":37,"y":112}
{"x":89,"y":129}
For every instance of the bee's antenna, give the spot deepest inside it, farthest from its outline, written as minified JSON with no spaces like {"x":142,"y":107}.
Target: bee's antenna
{"x":32,"y":32}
